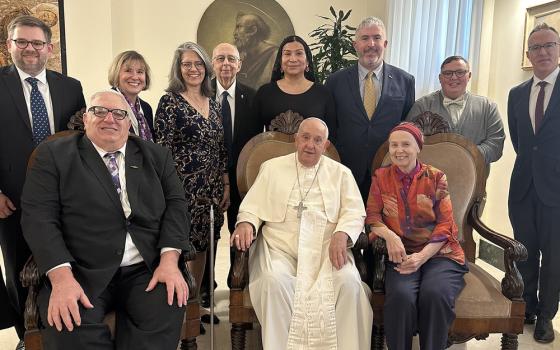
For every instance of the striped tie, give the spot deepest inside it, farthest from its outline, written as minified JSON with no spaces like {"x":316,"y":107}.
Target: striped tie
{"x":370,"y":95}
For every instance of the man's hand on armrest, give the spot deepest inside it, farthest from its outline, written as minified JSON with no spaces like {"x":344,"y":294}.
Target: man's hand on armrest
{"x":337,"y":249}
{"x":168,"y":273}
{"x":242,"y":237}
{"x":63,"y":303}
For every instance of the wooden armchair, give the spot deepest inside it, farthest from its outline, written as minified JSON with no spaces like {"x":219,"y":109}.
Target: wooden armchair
{"x":483,"y":306}
{"x":31,"y":279}
{"x":267,"y":145}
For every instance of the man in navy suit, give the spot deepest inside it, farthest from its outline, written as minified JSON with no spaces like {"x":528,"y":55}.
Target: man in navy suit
{"x":34,"y":102}
{"x":104,"y":215}
{"x":371,"y":98}
{"x":241,"y":125}
{"x":534,"y":191}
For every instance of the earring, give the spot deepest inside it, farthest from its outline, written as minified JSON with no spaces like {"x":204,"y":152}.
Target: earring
{"x":307,"y":68}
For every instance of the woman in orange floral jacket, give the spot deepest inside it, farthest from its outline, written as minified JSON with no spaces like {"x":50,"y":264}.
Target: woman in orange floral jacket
{"x":409,"y":206}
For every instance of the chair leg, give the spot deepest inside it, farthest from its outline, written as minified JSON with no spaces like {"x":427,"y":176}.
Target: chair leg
{"x":189,"y":344}
{"x":238,"y":336}
{"x":509,"y":341}
{"x":378,"y":338}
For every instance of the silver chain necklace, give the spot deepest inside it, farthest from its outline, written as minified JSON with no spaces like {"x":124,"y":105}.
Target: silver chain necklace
{"x":300,"y":207}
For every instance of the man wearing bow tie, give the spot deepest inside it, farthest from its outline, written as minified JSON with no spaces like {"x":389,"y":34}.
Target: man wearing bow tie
{"x":472,"y":116}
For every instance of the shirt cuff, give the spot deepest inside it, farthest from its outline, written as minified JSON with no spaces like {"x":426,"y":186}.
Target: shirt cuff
{"x":166,"y":249}
{"x":66,"y":264}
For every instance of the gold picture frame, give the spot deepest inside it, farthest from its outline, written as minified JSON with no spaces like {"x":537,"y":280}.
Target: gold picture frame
{"x":549,"y":13}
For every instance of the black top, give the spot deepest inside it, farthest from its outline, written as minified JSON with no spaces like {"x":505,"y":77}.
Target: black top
{"x":270,"y":101}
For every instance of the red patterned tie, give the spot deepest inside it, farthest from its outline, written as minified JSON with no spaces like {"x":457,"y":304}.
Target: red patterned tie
{"x":539,"y":109}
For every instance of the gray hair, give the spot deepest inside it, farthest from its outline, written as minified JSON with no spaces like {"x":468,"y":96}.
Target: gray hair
{"x":176,"y":83}
{"x":29,"y":21}
{"x":368,"y":22}
{"x":310,"y":119}
{"x":542,"y":26}
{"x":126,"y":106}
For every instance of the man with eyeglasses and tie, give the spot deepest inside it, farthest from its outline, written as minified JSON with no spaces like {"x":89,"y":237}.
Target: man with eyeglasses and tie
{"x":34,"y":102}
{"x":104,"y":216}
{"x":534,"y":191}
{"x":475,"y":117}
{"x":240,"y":125}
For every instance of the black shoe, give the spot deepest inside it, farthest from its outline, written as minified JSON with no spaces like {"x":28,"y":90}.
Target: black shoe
{"x":544,"y":333}
{"x":205,"y":300}
{"x":530,"y":319}
{"x":202,"y":329}
{"x":206,"y":319}
{"x":20,"y":345}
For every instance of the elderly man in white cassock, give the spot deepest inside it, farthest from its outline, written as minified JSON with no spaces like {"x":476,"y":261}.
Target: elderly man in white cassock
{"x":304,"y":286}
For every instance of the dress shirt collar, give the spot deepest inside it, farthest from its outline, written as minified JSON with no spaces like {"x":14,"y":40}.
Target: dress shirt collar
{"x":220,"y":89}
{"x":42,"y":76}
{"x":550,"y":79}
{"x":401,"y":174}
{"x":363,"y":71}
{"x":102,"y":152}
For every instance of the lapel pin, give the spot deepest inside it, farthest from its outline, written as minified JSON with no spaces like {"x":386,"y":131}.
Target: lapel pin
{"x":134,"y":166}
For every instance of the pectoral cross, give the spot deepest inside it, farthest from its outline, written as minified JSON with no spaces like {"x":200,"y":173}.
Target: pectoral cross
{"x":300,"y":208}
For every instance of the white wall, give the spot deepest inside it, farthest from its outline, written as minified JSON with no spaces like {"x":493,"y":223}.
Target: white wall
{"x":98,"y":30}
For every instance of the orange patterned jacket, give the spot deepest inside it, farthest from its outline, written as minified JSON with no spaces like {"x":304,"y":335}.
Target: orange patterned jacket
{"x":421,"y":216}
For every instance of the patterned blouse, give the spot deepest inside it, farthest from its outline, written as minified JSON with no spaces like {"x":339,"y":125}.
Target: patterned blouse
{"x":197,"y":146}
{"x":421,"y":215}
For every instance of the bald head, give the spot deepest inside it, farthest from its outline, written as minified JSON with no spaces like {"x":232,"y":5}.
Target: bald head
{"x":226,"y":63}
{"x":314,"y":122}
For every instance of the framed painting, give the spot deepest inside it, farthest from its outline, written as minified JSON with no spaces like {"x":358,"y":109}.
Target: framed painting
{"x":549,"y":13}
{"x":49,"y":11}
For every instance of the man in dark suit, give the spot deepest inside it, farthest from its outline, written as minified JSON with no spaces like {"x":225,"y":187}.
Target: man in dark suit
{"x":240,"y":125}
{"x":371,"y":98}
{"x":104,"y":215}
{"x":534,"y":191}
{"x":34,"y":103}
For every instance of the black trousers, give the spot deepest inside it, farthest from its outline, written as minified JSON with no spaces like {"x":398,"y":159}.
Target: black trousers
{"x":144,"y":320}
{"x":15,"y":252}
{"x":535,"y":225}
{"x":6,"y":310}
{"x":422,"y":302}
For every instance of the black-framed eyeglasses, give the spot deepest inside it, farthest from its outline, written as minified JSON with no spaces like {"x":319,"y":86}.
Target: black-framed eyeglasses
{"x":101,"y":112}
{"x":547,"y":46}
{"x":458,"y":73}
{"x":222,"y":58}
{"x":22,"y":43}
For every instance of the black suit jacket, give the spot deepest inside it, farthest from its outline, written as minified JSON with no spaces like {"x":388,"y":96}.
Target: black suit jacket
{"x":355,"y":136}
{"x":538,"y":157}
{"x":16,"y":138}
{"x":149,"y":115}
{"x":71,"y":211}
{"x":245,"y":126}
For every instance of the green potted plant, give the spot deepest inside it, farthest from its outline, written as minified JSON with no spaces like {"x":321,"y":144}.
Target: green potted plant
{"x":332,"y":47}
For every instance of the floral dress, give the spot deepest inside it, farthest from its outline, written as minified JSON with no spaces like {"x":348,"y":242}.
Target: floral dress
{"x":197,"y":145}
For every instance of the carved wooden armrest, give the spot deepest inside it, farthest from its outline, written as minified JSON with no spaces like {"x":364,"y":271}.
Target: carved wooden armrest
{"x":31,"y":279}
{"x":512,"y":284}
{"x":361,"y":243}
{"x":380,"y":255}
{"x":240,"y":272}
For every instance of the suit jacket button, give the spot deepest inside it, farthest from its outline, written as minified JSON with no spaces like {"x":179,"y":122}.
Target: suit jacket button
{"x":535,"y":148}
{"x":119,"y":251}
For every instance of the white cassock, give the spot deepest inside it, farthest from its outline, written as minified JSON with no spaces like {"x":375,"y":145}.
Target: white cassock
{"x":301,"y":300}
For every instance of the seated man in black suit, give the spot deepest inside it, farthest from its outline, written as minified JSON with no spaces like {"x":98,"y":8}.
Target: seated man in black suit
{"x":104,"y":216}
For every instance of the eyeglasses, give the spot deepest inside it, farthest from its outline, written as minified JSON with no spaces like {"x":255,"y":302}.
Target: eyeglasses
{"x":22,"y":43}
{"x":101,"y":112}
{"x":222,"y":58}
{"x":448,"y":74}
{"x":547,"y":46}
{"x":199,"y":65}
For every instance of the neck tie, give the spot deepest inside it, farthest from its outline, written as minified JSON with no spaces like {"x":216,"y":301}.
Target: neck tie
{"x":370,"y":95}
{"x":143,"y":128}
{"x":226,"y":120}
{"x":39,"y":115}
{"x":539,"y":109}
{"x":113,"y":169}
